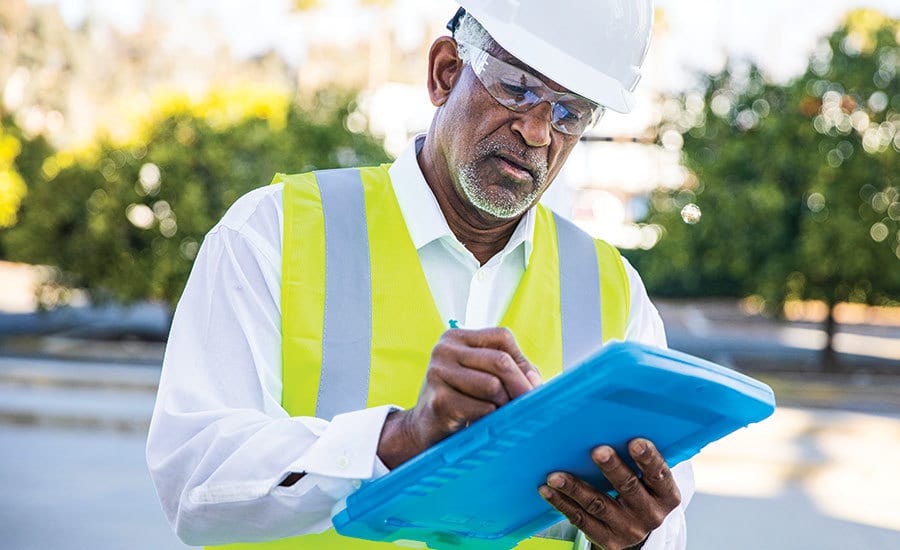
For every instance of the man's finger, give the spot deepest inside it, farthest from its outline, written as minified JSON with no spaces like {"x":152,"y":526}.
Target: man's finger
{"x":594,"y":502}
{"x":576,"y":515}
{"x":633,"y":495}
{"x":603,"y":519}
{"x":475,"y":383}
{"x":500,"y":364}
{"x":623,"y":479}
{"x":455,"y":410}
{"x":501,"y":339}
{"x":655,"y":472}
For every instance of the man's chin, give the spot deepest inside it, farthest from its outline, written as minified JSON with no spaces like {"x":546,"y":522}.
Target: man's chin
{"x":493,"y":195}
{"x":494,"y":215}
{"x":502,"y":205}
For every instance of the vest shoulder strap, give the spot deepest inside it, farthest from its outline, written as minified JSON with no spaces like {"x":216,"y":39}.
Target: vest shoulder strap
{"x":594,"y":291}
{"x":615,"y":288}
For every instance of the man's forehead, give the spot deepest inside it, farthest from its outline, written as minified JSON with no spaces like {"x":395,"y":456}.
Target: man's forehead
{"x":497,"y":51}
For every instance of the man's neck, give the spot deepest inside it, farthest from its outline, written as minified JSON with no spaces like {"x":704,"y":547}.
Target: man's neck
{"x":483,"y":236}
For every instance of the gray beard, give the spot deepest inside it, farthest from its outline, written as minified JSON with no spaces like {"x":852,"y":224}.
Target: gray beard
{"x":500,"y":206}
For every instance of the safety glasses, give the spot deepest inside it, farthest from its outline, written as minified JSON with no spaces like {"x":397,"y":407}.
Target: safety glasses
{"x":518,"y":90}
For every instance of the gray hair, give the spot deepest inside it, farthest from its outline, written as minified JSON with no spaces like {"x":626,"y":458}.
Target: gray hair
{"x":469,"y":32}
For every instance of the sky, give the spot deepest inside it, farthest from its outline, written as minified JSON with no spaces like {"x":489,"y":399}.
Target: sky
{"x":697,"y":36}
{"x":779,"y":34}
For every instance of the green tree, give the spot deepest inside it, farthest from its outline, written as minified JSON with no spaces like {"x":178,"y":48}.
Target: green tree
{"x":21,"y":158}
{"x":125,"y":220}
{"x":12,"y":186}
{"x":798,"y":184}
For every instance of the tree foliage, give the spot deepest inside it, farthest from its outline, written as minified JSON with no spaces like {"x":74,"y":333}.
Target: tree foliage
{"x":124,"y":220}
{"x":798,"y":184}
{"x":20,"y":156}
{"x":12,"y":186}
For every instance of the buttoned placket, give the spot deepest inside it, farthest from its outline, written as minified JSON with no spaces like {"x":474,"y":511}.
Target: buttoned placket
{"x":478,"y":311}
{"x":481,"y":287}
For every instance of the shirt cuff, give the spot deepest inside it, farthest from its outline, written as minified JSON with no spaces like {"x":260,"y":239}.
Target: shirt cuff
{"x":348,"y":448}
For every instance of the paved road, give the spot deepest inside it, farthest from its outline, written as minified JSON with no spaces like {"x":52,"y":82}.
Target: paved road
{"x":78,"y":489}
{"x":73,"y":474}
{"x":805,"y":478}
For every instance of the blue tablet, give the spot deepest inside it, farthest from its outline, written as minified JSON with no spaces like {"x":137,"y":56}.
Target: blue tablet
{"x":478,"y":488}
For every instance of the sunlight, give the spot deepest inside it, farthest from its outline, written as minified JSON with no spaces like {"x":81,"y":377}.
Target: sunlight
{"x":844,"y":462}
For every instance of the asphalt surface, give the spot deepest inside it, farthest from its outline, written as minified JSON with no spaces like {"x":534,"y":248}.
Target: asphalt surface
{"x":77,"y":389}
{"x":74,"y":474}
{"x":75,"y":488}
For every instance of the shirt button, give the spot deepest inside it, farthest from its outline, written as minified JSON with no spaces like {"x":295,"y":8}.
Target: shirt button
{"x":343,"y":462}
{"x":356,"y":483}
{"x":480,"y":276}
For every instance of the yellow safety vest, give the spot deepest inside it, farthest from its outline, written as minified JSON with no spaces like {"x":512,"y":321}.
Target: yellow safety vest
{"x":352,"y":215}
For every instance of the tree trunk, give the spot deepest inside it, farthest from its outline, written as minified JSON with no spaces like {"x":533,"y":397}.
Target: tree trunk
{"x":830,"y":361}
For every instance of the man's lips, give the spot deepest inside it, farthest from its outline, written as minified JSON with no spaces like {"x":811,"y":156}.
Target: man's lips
{"x":517,"y":168}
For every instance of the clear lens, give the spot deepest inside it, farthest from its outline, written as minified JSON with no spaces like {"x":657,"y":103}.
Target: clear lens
{"x":519,"y":90}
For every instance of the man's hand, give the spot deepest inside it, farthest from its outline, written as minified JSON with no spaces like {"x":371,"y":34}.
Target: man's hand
{"x":471,"y":374}
{"x":641,"y":506}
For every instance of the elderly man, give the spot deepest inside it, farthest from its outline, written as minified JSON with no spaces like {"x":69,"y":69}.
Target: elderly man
{"x":310,"y":351}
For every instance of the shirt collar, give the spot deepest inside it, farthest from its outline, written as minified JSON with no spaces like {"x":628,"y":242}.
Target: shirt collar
{"x":424,"y":219}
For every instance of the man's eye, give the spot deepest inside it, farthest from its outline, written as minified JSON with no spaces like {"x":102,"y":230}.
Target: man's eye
{"x":564,"y":113}
{"x":514,"y":89}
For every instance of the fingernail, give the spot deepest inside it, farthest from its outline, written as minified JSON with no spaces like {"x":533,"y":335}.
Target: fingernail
{"x":556,"y":481}
{"x":545,"y":491}
{"x":602,"y":454}
{"x":534,"y":378}
{"x":640,"y":448}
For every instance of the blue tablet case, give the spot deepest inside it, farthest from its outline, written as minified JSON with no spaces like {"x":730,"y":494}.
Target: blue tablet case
{"x":478,"y":488}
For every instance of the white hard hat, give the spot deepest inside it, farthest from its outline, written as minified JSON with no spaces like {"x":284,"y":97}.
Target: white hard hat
{"x":594,"y":48}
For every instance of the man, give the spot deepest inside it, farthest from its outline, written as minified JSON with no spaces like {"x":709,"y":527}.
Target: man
{"x":317,"y":306}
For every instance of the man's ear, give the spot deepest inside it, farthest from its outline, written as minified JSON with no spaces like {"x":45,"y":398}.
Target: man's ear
{"x":444,"y":69}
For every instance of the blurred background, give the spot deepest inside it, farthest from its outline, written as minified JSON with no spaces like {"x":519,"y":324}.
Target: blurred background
{"x":756,"y":187}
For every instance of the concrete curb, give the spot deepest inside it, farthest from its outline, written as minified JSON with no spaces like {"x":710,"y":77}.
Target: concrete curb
{"x":120,"y":396}
{"x":868,"y":393}
{"x":27,"y":371}
{"x":41,"y":420}
{"x":67,"y":394}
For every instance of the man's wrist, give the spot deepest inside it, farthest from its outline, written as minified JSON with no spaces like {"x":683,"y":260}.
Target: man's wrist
{"x":639,"y":545}
{"x":396,"y":444}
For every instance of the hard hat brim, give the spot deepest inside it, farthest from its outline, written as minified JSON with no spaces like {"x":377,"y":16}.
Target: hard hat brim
{"x":565,"y":70}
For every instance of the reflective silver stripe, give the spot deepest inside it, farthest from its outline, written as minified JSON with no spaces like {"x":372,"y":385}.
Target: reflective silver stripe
{"x":582,"y":542}
{"x":579,"y":297}
{"x":579,"y":292}
{"x":559,"y":531}
{"x":347,"y":332}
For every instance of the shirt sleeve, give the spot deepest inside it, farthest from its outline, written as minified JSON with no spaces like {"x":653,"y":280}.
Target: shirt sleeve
{"x":645,"y":326}
{"x":220,"y":443}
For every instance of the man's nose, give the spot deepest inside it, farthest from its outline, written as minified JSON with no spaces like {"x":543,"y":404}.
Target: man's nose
{"x":534,"y":125}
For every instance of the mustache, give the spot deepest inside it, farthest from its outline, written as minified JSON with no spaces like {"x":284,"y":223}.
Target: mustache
{"x":537,"y":163}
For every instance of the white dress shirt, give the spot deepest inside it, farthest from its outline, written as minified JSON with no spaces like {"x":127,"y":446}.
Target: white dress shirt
{"x":220,"y":442}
